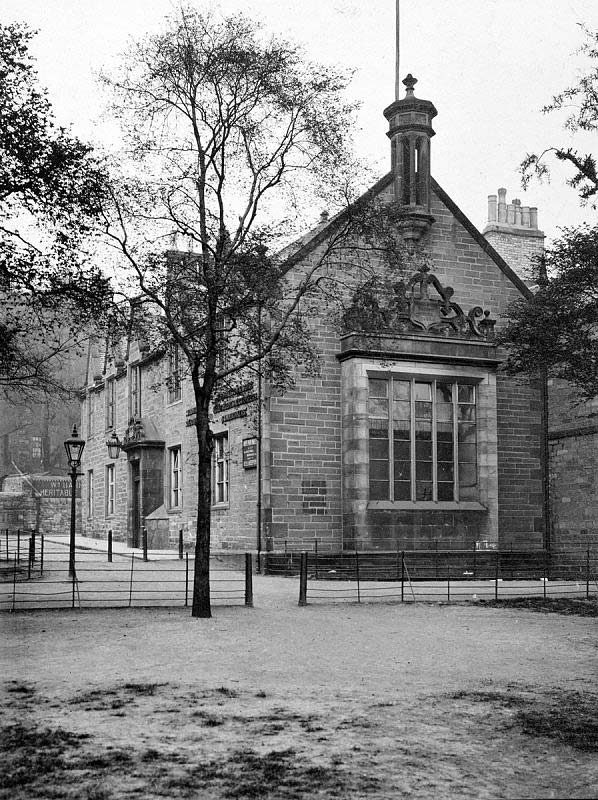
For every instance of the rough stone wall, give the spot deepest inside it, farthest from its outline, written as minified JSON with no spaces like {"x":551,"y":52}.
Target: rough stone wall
{"x":573,"y":442}
{"x":520,"y":486}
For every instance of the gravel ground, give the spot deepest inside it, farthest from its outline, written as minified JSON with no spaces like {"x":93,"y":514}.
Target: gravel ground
{"x":344,"y":701}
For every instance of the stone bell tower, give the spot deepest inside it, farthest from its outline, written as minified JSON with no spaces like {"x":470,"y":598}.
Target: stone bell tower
{"x":410,"y":132}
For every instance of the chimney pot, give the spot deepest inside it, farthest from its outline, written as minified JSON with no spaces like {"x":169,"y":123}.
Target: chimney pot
{"x":492,"y":208}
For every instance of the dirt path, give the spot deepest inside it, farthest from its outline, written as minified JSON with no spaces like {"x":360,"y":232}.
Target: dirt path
{"x":377,"y":701}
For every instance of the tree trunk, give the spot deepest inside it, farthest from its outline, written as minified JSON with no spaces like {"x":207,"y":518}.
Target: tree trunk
{"x":201,"y":606}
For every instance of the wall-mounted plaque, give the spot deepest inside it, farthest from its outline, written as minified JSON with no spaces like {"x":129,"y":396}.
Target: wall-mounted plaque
{"x":250,"y":453}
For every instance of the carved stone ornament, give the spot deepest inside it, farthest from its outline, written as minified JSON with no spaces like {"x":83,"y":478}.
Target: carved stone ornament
{"x":411,"y":309}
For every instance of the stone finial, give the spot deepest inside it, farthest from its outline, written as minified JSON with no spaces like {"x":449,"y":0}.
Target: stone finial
{"x":324,"y":216}
{"x":409,"y":83}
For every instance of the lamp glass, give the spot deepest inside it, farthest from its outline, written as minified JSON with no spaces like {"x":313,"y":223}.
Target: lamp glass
{"x":113,"y":445}
{"x":74,"y":448}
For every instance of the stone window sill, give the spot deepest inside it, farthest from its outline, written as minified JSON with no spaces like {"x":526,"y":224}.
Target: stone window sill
{"x":424,"y":505}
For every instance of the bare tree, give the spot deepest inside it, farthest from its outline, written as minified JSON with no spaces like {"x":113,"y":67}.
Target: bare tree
{"x":228,"y":134}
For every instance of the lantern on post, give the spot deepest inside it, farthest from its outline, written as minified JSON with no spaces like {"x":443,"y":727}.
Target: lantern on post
{"x":114,"y":445}
{"x":74,"y":450}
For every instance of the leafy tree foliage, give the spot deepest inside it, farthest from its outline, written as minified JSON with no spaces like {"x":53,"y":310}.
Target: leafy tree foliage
{"x":231,"y":135}
{"x":558,"y":327}
{"x":49,"y":186}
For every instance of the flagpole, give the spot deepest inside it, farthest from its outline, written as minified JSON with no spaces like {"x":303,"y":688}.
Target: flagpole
{"x":397,"y":61}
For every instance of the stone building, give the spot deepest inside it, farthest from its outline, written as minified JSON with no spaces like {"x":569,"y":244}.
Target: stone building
{"x":409,"y":437}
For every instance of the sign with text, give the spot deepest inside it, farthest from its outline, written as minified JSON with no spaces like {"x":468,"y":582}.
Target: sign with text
{"x":54,"y":487}
{"x":250,"y":453}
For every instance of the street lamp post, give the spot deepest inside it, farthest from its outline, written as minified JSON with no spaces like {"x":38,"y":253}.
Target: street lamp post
{"x":74,"y":450}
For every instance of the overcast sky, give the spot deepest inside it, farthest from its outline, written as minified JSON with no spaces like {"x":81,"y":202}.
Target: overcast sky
{"x":488,"y":65}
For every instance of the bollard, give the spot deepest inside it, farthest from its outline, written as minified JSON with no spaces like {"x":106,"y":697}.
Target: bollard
{"x":181,"y":544}
{"x":14,"y":584}
{"x":131,"y":580}
{"x":30,"y":558}
{"x":110,"y":546}
{"x":496,"y":575}
{"x":144,"y":537}
{"x":248,"y":580}
{"x":186,"y":579}
{"x":303,"y":580}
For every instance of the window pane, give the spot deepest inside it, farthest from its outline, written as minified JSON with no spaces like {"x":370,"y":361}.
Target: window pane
{"x":402,"y":449}
{"x":444,"y":412}
{"x":444,"y":392}
{"x":467,"y":475}
{"x":401,"y":410}
{"x":423,"y":471}
{"x":378,"y":388}
{"x":446,"y":491}
{"x":445,"y":450}
{"x":377,"y":407}
{"x":378,"y":448}
{"x":402,"y":470}
{"x":378,"y":470}
{"x":467,"y":433}
{"x":402,"y":490}
{"x":423,"y":491}
{"x":423,"y":391}
{"x":466,"y":393}
{"x":467,"y":454}
{"x":376,"y":432}
{"x":401,"y":390}
{"x":379,"y":490}
{"x":423,"y":410}
{"x":423,"y":450}
{"x":445,"y":471}
{"x":466,"y":413}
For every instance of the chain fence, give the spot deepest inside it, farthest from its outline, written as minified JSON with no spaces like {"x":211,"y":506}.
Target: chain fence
{"x":36,"y":574}
{"x":441,"y":576}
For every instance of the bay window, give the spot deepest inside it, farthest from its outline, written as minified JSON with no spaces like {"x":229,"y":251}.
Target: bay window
{"x":422,"y":440}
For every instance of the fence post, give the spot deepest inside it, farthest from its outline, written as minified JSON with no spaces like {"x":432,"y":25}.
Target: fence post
{"x":181,"y":544}
{"x":144,"y":538}
{"x":41,"y":555}
{"x":496,"y":574}
{"x":7,"y":557}
{"x":30,"y":559}
{"x":475,"y":552}
{"x":448,"y":583}
{"x":248,"y":580}
{"x":110,"y":546}
{"x":316,"y":556}
{"x":73,"y":587}
{"x":357,"y":575}
{"x":33,"y":533}
{"x":186,"y":579}
{"x":131,"y":580}
{"x":303,"y":579}
{"x":402,"y":576}
{"x":588,"y":573}
{"x":436,"y":558}
{"x":18,"y":545}
{"x":544,"y":580}
{"x":14,"y":584}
